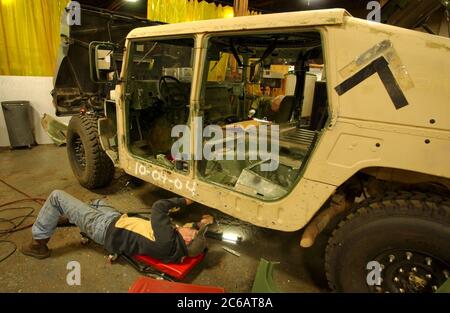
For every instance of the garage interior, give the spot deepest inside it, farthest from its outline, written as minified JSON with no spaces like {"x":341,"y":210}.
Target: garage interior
{"x":39,"y":164}
{"x":220,"y":268}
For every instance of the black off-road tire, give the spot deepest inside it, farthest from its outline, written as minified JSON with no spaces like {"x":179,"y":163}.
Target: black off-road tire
{"x":90,"y":164}
{"x":402,"y":231}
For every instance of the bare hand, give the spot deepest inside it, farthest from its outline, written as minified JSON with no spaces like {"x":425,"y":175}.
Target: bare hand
{"x":207,"y":220}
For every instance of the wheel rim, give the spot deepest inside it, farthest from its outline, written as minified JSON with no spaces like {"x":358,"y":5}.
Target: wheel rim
{"x":409,"y":271}
{"x":80,"y":156}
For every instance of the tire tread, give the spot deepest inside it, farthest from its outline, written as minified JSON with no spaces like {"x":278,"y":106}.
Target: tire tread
{"x":102,"y":171}
{"x":404,"y":202}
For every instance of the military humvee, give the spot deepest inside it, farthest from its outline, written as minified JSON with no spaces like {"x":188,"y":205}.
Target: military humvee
{"x":359,"y":137}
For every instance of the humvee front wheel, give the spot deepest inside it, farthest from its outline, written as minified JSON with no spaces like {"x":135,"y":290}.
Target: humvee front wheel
{"x":407,"y":235}
{"x":90,"y":164}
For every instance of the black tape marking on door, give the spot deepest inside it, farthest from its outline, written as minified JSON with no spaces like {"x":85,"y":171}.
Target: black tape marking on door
{"x":380,"y":66}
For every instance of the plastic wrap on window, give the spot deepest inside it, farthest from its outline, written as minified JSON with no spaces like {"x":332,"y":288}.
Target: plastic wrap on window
{"x":386,"y":49}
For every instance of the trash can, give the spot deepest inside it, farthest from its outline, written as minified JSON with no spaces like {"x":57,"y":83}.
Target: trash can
{"x":17,"y":118}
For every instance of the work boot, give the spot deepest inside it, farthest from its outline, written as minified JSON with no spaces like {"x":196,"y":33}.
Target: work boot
{"x":37,"y":248}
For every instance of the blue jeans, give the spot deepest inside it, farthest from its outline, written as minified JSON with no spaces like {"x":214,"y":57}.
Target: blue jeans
{"x":93,"y":219}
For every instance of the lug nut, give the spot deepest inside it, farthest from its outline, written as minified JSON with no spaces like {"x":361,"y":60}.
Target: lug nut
{"x":428,"y":261}
{"x":428,"y":276}
{"x":414,"y":269}
{"x":391,"y":258}
{"x":401,"y":290}
{"x":409,"y":255}
{"x":446,"y":273}
{"x":434,"y":288}
{"x":400,"y":270}
{"x":396,"y":279}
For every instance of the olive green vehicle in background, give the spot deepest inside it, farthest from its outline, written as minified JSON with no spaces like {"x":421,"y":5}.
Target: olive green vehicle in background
{"x":364,"y":132}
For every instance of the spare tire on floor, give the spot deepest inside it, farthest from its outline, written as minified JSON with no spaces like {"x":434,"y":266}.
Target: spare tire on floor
{"x":90,"y":164}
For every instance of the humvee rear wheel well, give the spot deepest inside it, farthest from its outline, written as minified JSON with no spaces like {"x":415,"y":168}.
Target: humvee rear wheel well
{"x":369,"y":183}
{"x":379,"y":180}
{"x":374,"y":181}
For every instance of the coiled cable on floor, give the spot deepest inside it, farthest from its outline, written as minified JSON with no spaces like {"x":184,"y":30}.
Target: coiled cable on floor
{"x":15,"y":226}
{"x":13,"y":250}
{"x":37,"y":200}
{"x":15,"y":223}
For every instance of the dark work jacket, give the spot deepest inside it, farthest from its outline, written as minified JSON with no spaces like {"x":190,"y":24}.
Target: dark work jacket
{"x":157,"y":238}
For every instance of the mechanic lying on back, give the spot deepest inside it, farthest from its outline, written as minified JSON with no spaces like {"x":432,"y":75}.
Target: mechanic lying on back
{"x":119,"y":233}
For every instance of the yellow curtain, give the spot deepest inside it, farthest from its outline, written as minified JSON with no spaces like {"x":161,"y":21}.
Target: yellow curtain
{"x":176,"y":11}
{"x":29,"y":36}
{"x":29,"y":30}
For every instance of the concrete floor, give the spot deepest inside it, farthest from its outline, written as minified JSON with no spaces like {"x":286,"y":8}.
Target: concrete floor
{"x":44,"y":168}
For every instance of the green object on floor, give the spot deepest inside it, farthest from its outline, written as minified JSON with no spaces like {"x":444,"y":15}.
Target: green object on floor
{"x":56,"y":130}
{"x":445,"y":288}
{"x":264,"y":279}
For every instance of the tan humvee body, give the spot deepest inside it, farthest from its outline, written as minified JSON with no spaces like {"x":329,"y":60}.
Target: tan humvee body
{"x":365,"y":130}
